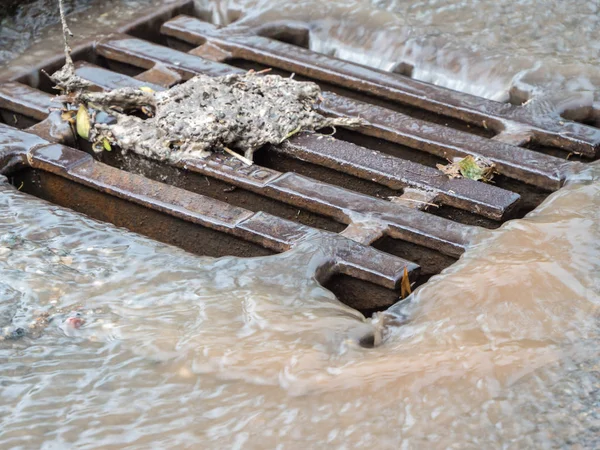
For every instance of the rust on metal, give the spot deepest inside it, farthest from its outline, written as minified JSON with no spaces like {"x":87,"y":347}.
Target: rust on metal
{"x":408,"y":224}
{"x":500,"y":117}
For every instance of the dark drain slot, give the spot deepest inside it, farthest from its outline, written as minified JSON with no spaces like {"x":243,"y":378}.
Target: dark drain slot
{"x":462,"y":216}
{"x":16,"y":120}
{"x":218,"y":189}
{"x":431,"y":261}
{"x":389,"y":148}
{"x":282,"y":163}
{"x":531,"y":196}
{"x":557,"y":152}
{"x":363,"y":296}
{"x":162,"y":227}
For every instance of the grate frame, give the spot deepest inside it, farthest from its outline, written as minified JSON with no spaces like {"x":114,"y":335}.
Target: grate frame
{"x":33,"y":139}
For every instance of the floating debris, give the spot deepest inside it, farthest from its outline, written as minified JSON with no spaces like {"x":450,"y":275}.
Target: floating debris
{"x":240,"y":112}
{"x":233,"y":112}
{"x":473,"y":168}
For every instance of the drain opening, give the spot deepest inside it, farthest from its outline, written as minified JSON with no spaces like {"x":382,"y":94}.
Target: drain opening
{"x":557,"y":152}
{"x":368,"y":298}
{"x":16,"y":120}
{"x":431,"y":261}
{"x":133,"y":54}
{"x":217,"y":189}
{"x":267,"y":157}
{"x":106,"y":208}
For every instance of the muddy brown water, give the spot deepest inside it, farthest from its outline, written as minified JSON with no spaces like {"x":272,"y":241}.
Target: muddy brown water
{"x":513,"y":51}
{"x":182,"y":351}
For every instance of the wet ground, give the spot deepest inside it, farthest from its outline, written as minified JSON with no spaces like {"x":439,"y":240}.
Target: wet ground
{"x":111,"y":340}
{"x":28,"y":24}
{"x":22,"y":23}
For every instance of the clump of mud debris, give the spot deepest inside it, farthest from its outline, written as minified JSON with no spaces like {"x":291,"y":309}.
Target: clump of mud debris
{"x":240,"y":112}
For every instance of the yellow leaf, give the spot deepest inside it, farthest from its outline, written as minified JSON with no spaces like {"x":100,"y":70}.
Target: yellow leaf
{"x":405,"y":289}
{"x":106,"y":145}
{"x":83,"y":122}
{"x":147,"y":89}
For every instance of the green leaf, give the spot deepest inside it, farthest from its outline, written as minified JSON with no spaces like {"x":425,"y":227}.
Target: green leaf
{"x":83,"y":122}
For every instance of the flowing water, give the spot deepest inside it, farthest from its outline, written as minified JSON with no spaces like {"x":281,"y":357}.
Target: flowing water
{"x":517,"y":50}
{"x":111,"y":340}
{"x":131,"y":342}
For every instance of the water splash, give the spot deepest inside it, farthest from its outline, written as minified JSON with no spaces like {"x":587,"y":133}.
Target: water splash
{"x":505,"y":51}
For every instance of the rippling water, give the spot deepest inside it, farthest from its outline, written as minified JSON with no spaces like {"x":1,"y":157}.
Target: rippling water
{"x":514,"y":50}
{"x":111,"y":340}
{"x":181,"y":351}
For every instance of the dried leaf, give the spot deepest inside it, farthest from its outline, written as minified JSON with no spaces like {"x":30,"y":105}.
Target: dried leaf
{"x":478,"y":169}
{"x":405,"y":289}
{"x":83,"y":122}
{"x":67,"y":116}
{"x":449,"y":169}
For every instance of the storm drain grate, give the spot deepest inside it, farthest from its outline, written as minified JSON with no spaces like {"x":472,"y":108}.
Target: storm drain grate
{"x":336,"y":189}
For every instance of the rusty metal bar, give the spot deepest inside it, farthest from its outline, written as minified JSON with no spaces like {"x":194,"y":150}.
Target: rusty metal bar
{"x":30,"y":102}
{"x":147,"y":55}
{"x":568,"y":135}
{"x":486,"y":200}
{"x":100,"y":76}
{"x":346,"y":206}
{"x":525,"y":165}
{"x":352,"y":259}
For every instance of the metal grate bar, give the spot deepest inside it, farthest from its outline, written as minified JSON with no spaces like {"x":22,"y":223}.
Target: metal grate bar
{"x":162,"y":60}
{"x":500,"y":117}
{"x":486,"y":200}
{"x":26,"y":100}
{"x":525,"y":165}
{"x":352,"y":259}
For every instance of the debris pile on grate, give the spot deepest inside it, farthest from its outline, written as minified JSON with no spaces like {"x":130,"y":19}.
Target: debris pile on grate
{"x":238,"y":111}
{"x":241,"y":112}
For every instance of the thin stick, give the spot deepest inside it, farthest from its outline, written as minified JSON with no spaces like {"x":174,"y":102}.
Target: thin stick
{"x":238,"y":156}
{"x":66,"y":34}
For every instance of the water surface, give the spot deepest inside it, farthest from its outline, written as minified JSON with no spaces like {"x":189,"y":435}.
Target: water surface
{"x":182,"y":351}
{"x":519,"y":50}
